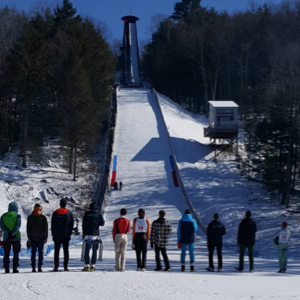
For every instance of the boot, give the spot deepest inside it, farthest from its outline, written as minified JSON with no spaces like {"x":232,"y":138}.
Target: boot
{"x":192,"y":268}
{"x":182,"y":268}
{"x":33,"y":270}
{"x":40,"y":269}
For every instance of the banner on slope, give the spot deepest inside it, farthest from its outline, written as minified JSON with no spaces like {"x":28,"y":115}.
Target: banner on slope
{"x":174,"y":173}
{"x":114,"y":171}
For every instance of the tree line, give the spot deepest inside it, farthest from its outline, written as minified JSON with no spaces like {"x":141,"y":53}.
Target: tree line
{"x":56,"y":79}
{"x":252,"y":57}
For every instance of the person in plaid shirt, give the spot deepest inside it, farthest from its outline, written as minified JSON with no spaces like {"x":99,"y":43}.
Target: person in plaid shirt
{"x":159,"y":239}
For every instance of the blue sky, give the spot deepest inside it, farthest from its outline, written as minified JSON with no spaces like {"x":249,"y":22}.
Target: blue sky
{"x":111,"y":11}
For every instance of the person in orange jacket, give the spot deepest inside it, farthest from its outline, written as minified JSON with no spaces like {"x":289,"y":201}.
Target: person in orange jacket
{"x":120,"y":229}
{"x":140,"y":237}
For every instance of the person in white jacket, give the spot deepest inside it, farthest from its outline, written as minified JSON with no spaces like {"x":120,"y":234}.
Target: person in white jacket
{"x":283,"y":235}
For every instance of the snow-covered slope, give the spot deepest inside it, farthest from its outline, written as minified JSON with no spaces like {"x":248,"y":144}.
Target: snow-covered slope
{"x":143,"y":160}
{"x":218,"y":187}
{"x":143,"y":165}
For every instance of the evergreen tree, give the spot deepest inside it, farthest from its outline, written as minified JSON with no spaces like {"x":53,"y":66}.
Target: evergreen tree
{"x":30,"y":73}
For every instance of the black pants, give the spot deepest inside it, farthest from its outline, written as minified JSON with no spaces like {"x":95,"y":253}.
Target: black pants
{"x":211,"y":249}
{"x":16,"y":246}
{"x":140,"y":250}
{"x":37,"y":245}
{"x":57,"y":245}
{"x":165,"y":257}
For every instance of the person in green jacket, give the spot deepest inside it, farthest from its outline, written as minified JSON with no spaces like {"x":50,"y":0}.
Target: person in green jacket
{"x":10,"y":224}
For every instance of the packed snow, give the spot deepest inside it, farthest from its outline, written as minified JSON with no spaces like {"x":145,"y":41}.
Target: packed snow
{"x":144,"y":141}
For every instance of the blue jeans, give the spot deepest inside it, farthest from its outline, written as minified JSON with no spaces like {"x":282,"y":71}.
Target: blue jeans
{"x":191,"y":252}
{"x":88,"y":245}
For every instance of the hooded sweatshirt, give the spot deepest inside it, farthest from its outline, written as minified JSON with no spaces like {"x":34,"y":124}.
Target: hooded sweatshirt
{"x":92,"y":219}
{"x":215,"y":232}
{"x":187,"y":228}
{"x":62,"y":224}
{"x":10,"y":223}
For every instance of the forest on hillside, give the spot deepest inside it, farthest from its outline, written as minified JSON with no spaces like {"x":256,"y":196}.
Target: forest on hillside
{"x":251,"y":57}
{"x":56,"y":79}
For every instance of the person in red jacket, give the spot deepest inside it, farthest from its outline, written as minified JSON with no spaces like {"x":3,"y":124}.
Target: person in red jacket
{"x":120,"y":229}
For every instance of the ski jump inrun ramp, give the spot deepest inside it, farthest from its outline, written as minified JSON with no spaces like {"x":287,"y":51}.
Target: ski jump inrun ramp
{"x":143,"y":160}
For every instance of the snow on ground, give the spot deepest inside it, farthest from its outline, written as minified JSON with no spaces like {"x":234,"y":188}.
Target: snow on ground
{"x":142,"y":149}
{"x":218,"y":187}
{"x":45,"y":182}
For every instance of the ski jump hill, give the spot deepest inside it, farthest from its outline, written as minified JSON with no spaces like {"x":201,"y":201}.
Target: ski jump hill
{"x":143,"y":159}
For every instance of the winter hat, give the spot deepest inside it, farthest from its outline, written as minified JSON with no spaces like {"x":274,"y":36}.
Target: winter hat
{"x":93,"y":206}
{"x":13,"y":206}
{"x":187,"y":211}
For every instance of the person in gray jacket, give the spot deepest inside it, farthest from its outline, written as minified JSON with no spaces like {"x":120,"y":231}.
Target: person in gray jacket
{"x":283,"y":235}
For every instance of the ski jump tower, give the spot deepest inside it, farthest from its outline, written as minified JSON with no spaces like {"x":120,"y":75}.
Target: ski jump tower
{"x":130,"y":52}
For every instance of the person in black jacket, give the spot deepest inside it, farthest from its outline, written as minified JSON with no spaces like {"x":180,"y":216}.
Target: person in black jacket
{"x":62,"y":226}
{"x":37,"y":232}
{"x":92,"y":219}
{"x":215,"y":232}
{"x":246,"y":239}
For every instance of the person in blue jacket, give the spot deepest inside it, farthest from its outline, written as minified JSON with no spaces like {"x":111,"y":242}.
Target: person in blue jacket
{"x":187,"y":228}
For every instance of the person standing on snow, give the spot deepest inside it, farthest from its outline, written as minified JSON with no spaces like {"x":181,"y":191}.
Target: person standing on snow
{"x":91,"y":222}
{"x":284,"y":235}
{"x":37,"y":232}
{"x":159,"y":239}
{"x":187,"y":228}
{"x":246,"y":239}
{"x":62,"y":223}
{"x":140,"y":237}
{"x":10,"y":224}
{"x":120,"y":229}
{"x":215,"y":232}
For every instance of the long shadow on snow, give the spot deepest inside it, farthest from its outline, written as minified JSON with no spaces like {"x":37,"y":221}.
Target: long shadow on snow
{"x":157,"y":149}
{"x":189,"y":151}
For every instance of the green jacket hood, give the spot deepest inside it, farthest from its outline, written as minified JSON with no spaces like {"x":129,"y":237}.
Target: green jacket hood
{"x":13,"y":206}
